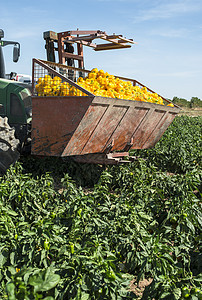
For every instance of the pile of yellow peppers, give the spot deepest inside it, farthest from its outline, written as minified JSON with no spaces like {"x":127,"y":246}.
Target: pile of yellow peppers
{"x":99,"y":83}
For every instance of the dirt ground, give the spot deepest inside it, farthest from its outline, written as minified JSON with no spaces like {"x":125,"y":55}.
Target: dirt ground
{"x":138,"y":289}
{"x":191,"y":112}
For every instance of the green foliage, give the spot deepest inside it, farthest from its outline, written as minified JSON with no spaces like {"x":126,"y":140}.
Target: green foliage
{"x":67,"y":239}
{"x":195,"y":102}
{"x":179,"y":150}
{"x":181,"y":102}
{"x":84,"y":174}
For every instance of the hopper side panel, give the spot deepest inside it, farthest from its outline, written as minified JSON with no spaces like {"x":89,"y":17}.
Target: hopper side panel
{"x":105,"y":129}
{"x":124,"y":132}
{"x":85,"y":129}
{"x":147,"y":127}
{"x":159,"y":130}
{"x":54,"y":120}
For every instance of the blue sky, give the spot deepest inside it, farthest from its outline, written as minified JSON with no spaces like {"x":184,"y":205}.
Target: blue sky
{"x":167,"y":58}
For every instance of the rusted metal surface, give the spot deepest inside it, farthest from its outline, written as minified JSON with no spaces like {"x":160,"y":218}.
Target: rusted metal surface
{"x":69,"y":126}
{"x":54,"y":121}
{"x":81,"y":37}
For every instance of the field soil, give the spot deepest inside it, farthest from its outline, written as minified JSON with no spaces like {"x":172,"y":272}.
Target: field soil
{"x":191,"y":112}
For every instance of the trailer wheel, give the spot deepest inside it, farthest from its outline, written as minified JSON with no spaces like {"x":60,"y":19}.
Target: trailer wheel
{"x":8,"y":145}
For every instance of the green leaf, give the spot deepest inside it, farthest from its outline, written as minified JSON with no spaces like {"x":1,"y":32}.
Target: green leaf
{"x":85,"y":296}
{"x":27,"y":275}
{"x":193,"y":297}
{"x":165,"y":295}
{"x":191,"y":226}
{"x":43,"y":283}
{"x":12,"y":258}
{"x":198,"y":278}
{"x":10,"y":287}
{"x":10,"y":212}
{"x":3,"y":258}
{"x":168,"y":257}
{"x":12,"y":270}
{"x":177,"y":293}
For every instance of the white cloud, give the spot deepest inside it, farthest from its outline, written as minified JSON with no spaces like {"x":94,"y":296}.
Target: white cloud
{"x":170,"y":33}
{"x":167,"y":10}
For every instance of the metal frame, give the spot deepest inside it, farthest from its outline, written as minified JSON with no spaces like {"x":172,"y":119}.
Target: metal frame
{"x":51,"y":65}
{"x":52,"y":71}
{"x":82,"y":38}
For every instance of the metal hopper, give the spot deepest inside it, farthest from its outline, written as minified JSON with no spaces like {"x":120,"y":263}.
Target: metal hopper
{"x":92,"y":128}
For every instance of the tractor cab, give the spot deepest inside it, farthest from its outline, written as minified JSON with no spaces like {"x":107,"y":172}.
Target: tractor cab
{"x":15,"y":97}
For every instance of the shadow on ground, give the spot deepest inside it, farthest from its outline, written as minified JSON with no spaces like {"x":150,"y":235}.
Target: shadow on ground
{"x":83,"y":174}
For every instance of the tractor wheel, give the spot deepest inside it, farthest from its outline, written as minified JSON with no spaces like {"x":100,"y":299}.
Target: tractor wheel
{"x":8,"y":145}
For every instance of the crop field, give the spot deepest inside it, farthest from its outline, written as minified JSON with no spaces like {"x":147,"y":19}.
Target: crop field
{"x":90,"y":232}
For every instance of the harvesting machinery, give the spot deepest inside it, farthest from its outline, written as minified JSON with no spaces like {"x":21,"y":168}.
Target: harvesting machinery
{"x":85,"y":127}
{"x":15,"y":112}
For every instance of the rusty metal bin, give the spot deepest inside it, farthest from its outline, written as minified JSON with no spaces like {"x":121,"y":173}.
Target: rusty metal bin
{"x":92,"y":125}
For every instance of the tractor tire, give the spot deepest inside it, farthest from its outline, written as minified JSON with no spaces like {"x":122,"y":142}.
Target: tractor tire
{"x":8,"y":146}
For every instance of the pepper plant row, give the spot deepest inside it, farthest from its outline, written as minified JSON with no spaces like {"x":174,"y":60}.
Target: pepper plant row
{"x":71,"y":231}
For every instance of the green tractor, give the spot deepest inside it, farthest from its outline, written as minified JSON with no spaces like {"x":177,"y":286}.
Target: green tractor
{"x":15,"y":113}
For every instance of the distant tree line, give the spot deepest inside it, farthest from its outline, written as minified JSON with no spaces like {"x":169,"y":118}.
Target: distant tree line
{"x":193,"y":103}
